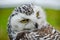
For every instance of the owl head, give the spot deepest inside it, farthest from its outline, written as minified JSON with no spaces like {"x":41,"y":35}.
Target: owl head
{"x":27,"y":16}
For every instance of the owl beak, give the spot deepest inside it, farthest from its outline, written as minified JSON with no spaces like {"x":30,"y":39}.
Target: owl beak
{"x":36,"y":25}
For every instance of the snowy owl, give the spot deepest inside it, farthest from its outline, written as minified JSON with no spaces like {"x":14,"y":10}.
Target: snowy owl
{"x":28,"y":22}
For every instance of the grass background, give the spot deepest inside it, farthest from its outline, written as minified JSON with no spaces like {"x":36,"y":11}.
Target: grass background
{"x":53,"y":17}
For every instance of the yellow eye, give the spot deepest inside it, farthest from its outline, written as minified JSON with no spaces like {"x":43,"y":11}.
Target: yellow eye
{"x":37,"y":14}
{"x":24,"y":21}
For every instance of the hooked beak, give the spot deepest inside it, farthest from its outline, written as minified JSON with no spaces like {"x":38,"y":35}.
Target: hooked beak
{"x":36,"y":25}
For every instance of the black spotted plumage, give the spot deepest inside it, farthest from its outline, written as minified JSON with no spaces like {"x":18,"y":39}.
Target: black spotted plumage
{"x":14,"y":14}
{"x":9,"y":32}
{"x":10,"y":27}
{"x":25,"y":9}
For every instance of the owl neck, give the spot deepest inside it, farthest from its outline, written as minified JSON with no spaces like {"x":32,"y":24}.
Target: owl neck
{"x":44,"y":24}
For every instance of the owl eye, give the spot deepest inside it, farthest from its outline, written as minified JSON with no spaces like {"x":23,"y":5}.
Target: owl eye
{"x":24,"y":21}
{"x":37,"y":14}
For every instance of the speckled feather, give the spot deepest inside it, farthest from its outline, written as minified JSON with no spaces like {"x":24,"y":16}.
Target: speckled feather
{"x":25,"y":9}
{"x":46,"y":33}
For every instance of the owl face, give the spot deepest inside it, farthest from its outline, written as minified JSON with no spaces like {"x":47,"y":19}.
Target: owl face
{"x":27,"y":17}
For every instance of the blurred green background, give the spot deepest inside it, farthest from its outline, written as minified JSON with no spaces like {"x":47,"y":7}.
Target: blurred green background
{"x":53,"y":17}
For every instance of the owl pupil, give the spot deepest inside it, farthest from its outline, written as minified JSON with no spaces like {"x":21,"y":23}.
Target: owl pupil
{"x":27,"y":19}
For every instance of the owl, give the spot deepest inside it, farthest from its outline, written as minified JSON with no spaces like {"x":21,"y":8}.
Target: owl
{"x":28,"y":22}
